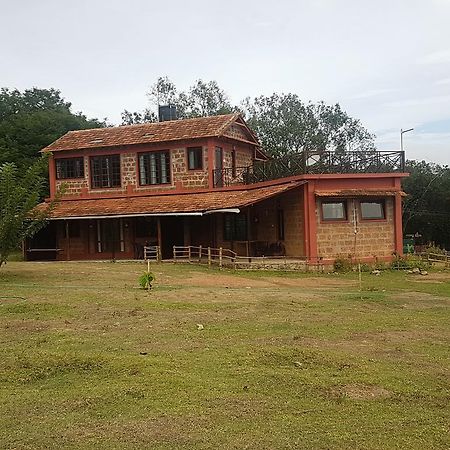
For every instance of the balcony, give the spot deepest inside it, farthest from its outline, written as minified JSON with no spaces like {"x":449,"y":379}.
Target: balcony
{"x":325,"y":162}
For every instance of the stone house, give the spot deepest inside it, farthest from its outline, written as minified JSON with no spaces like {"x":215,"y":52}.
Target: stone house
{"x":206,"y":181}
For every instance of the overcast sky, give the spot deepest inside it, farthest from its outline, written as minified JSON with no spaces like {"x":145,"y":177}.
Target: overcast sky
{"x":386,"y":62}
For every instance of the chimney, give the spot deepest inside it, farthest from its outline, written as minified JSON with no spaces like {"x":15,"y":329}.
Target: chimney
{"x":167,"y":112}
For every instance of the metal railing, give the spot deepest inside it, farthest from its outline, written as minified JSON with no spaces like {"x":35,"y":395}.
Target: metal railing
{"x":313,"y":162}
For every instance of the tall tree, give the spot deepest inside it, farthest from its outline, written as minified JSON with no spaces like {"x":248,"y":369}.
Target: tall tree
{"x":286,"y":125}
{"x":20,"y":192}
{"x":32,"y":119}
{"x":427,"y":207}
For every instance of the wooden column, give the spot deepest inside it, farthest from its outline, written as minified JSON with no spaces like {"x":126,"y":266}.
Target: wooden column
{"x":158,"y":226}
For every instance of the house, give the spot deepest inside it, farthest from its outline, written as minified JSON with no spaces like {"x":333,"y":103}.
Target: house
{"x":206,"y":181}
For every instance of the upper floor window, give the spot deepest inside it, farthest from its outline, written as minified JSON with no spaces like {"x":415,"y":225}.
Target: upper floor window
{"x":373,"y":210}
{"x":195,"y":158}
{"x":154,"y":168}
{"x":105,"y":171}
{"x":334,"y":210}
{"x":69,"y":168}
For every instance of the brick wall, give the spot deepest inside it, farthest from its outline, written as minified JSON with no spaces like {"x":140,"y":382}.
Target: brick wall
{"x":373,"y":239}
{"x":185,"y":177}
{"x":264,"y":224}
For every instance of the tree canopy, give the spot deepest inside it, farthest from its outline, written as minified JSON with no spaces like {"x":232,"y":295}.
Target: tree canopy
{"x":284,"y":123}
{"x":32,"y":119}
{"x":427,"y":206}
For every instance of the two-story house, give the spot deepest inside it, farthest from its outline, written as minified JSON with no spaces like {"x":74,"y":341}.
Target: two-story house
{"x":206,"y":181}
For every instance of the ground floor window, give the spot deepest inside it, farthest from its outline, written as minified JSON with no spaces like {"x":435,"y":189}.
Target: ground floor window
{"x":110,"y":236}
{"x":235,"y":227}
{"x":334,"y":210}
{"x":374,"y":209}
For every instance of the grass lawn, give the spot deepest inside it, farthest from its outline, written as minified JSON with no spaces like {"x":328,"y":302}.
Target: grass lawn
{"x":90,"y":361}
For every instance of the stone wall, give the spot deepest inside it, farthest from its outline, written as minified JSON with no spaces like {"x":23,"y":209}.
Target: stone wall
{"x":374,"y":238}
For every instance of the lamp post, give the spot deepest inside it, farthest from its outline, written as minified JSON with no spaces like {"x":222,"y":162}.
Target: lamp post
{"x":402,"y":132}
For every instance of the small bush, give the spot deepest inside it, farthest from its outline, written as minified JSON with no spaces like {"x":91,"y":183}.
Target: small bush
{"x":145,"y":280}
{"x":343,"y":264}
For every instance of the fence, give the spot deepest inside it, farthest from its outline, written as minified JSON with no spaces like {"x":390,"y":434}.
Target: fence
{"x":152,"y":253}
{"x":223,"y":257}
{"x":436,"y":258}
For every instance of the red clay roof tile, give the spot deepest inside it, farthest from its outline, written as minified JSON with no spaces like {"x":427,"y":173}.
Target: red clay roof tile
{"x":201,"y":127}
{"x":169,"y":203}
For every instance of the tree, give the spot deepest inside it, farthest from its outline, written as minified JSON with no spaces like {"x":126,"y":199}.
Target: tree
{"x":32,"y":119}
{"x":427,"y":207}
{"x":204,"y":98}
{"x":132,"y":118}
{"x":287,"y":125}
{"x":19,"y":195}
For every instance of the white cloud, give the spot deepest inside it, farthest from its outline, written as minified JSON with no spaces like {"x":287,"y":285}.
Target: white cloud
{"x":439,"y":57}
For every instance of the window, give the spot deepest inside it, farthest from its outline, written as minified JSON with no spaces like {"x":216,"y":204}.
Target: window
{"x":334,"y":210}
{"x":195,"y":158}
{"x":154,"y":168}
{"x":235,"y":227}
{"x":280,"y":225}
{"x":69,"y":168}
{"x":373,"y":210}
{"x":105,"y":171}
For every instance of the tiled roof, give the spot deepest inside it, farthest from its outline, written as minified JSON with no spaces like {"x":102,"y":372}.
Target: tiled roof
{"x":168,"y":203}
{"x":173,"y":130}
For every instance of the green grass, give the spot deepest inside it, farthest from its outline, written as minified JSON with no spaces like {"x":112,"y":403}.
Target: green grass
{"x":90,"y":361}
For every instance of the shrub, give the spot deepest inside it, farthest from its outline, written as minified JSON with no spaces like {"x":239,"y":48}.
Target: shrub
{"x":145,"y":280}
{"x":343,"y":264}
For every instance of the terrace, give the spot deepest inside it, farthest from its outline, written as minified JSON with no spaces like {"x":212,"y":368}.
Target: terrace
{"x":313,"y":162}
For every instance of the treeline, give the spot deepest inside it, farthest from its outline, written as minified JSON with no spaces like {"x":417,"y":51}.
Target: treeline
{"x":284,"y":123}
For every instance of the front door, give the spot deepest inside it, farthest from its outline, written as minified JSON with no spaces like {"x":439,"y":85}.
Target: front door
{"x":218,"y":173}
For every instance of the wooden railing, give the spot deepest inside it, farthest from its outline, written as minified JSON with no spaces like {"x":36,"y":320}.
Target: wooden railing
{"x":152,"y":253}
{"x":224,"y":257}
{"x":436,"y":258}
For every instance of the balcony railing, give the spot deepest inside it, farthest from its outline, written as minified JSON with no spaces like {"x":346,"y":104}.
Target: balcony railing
{"x":325,"y":162}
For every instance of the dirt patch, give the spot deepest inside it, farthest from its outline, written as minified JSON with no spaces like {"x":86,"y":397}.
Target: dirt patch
{"x":233,"y":281}
{"x":361,"y":392}
{"x":432,"y":277}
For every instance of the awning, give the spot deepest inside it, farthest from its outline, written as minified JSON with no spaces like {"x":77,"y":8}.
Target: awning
{"x":360,"y":193}
{"x":181,"y":204}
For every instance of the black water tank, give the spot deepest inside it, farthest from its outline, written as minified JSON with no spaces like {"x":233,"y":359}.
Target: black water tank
{"x":167,"y":112}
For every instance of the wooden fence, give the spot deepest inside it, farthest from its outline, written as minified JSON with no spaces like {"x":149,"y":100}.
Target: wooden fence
{"x":152,"y":253}
{"x":224,"y":257}
{"x":441,"y":259}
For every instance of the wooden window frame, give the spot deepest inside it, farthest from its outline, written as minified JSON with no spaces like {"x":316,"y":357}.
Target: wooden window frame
{"x":334,"y":201}
{"x":111,"y":181}
{"x":195,"y":149}
{"x":156,"y":154}
{"x":382,"y":202}
{"x":61,"y":162}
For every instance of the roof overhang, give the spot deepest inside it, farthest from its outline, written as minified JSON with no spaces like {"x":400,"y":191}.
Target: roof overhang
{"x":360,"y":193}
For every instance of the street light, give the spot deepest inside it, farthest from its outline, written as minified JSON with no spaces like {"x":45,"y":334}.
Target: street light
{"x":402,"y":132}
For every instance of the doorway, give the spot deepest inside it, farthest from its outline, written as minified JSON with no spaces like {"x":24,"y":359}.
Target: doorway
{"x":172,"y":233}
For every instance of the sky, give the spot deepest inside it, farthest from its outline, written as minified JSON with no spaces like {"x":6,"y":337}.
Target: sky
{"x":386,"y":62}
